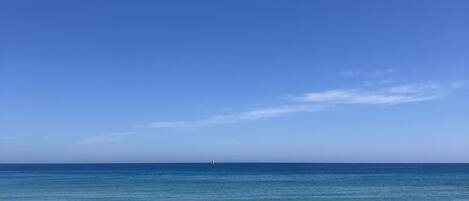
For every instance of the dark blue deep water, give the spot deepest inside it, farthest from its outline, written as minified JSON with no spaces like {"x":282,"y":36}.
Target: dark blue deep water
{"x":234,"y":181}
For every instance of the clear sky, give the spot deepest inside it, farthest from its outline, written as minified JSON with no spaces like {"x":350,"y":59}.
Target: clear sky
{"x":195,"y":81}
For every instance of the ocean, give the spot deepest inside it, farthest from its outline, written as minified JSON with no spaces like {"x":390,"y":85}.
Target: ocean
{"x":234,"y":182}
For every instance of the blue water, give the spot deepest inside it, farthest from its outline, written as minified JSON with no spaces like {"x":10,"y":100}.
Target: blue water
{"x":235,"y":181}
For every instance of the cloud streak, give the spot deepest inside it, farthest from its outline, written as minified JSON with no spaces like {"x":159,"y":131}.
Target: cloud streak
{"x":306,"y":103}
{"x":317,"y":101}
{"x":374,"y":73}
{"x":382,"y":72}
{"x":251,"y":115}
{"x":389,"y":96}
{"x":106,"y":138}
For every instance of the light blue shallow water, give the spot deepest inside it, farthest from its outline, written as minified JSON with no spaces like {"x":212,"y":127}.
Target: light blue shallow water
{"x":229,"y":182}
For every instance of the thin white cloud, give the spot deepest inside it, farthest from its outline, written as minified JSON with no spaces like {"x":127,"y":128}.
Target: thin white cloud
{"x":239,"y":117}
{"x":263,"y":113}
{"x":419,"y":88}
{"x":355,"y":96}
{"x":382,"y":72}
{"x":106,"y":138}
{"x":457,"y":84}
{"x":379,"y":82}
{"x":168,"y":124}
{"x":372,"y":73}
{"x":393,"y":95}
{"x":350,"y":73}
{"x":316,"y":101}
{"x":307,"y":102}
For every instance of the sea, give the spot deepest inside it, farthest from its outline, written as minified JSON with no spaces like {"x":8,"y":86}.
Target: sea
{"x":234,"y":182}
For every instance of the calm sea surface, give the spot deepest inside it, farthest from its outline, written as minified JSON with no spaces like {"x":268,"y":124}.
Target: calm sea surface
{"x":234,"y":181}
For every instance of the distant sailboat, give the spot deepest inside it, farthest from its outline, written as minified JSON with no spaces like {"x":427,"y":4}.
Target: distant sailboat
{"x":213,"y":162}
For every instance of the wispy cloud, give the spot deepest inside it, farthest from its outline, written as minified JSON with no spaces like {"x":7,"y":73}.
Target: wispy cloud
{"x":350,"y":73}
{"x":361,"y":97}
{"x":372,"y":73}
{"x":419,"y":88}
{"x":316,"y":101}
{"x":457,"y":84}
{"x":392,"y":95}
{"x":106,"y":138}
{"x":169,"y":124}
{"x":251,"y":115}
{"x":381,"y":72}
{"x":304,"y":103}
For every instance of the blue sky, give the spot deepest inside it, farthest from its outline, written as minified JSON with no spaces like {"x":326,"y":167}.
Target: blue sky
{"x":265,"y":81}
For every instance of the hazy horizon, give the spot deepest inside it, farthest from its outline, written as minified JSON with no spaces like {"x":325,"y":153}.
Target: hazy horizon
{"x":234,"y":81}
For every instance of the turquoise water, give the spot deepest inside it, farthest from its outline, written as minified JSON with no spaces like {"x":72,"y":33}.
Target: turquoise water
{"x":229,"y":182}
